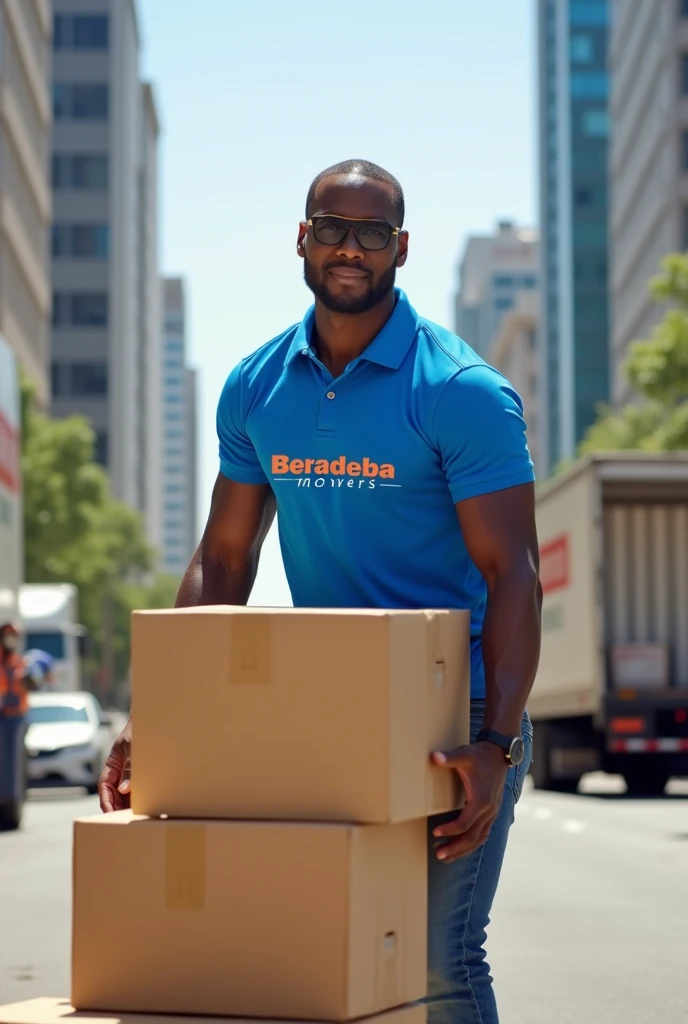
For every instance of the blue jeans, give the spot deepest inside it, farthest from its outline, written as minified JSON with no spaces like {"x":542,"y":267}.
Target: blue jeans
{"x":460,"y":899}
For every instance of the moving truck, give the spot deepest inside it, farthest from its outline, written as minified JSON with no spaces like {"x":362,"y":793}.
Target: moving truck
{"x":50,"y":621}
{"x":12,"y":757}
{"x":611,"y":693}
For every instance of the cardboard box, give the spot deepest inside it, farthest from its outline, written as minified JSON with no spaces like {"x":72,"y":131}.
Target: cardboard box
{"x":282,"y":714}
{"x":61,"y":1011}
{"x":256,"y":919}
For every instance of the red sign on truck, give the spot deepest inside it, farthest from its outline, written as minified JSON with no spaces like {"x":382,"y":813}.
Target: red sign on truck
{"x":9,"y":454}
{"x":555,"y":564}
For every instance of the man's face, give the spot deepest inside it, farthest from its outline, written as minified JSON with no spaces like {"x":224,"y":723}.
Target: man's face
{"x":346,"y":277}
{"x":8,"y":639}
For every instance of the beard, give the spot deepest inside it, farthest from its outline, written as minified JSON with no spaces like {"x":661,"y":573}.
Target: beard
{"x":349,"y":304}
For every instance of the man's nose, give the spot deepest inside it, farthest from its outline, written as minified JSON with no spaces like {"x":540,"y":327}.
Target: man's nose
{"x":349,"y":247}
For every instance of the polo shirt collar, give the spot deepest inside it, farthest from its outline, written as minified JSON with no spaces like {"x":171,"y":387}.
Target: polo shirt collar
{"x":388,"y":348}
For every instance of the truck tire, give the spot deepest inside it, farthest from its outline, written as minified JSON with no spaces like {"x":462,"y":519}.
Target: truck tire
{"x":646,"y":780}
{"x":10,"y":816}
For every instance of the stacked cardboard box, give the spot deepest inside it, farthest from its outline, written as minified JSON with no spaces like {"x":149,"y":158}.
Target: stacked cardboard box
{"x":274,"y":862}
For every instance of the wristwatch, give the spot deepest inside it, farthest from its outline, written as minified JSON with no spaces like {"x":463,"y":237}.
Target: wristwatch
{"x":513,"y":746}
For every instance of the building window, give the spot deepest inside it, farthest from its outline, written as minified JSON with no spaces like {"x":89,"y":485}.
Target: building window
{"x":684,"y":8}
{"x":90,"y":310}
{"x":88,"y":379}
{"x":684,"y":148}
{"x":685,"y":227}
{"x":684,"y":74}
{"x":81,"y":102}
{"x":80,"y":171}
{"x":80,"y":241}
{"x":528,"y":281}
{"x":503,"y":281}
{"x":56,"y":379}
{"x":582,"y":49}
{"x":588,"y":12}
{"x":80,"y":32}
{"x":589,"y":85}
{"x":582,"y":196}
{"x":504,"y":302}
{"x":596,"y":123}
{"x":100,"y":453}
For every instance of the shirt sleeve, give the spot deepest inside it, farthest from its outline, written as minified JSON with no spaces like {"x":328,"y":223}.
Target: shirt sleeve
{"x":238,"y":458}
{"x":480,"y":432}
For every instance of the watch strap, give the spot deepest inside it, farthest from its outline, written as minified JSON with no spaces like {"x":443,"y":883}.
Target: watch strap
{"x":498,"y":738}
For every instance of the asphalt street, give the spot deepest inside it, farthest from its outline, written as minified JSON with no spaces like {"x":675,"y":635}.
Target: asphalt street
{"x":590,"y":923}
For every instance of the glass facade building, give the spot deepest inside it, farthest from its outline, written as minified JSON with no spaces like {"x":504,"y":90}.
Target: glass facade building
{"x":573,"y":144}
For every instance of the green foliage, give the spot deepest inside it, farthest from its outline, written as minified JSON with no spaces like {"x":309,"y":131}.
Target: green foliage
{"x":76,"y":532}
{"x":657,"y":369}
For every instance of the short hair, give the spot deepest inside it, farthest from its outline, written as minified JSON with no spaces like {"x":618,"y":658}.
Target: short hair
{"x":365,"y":169}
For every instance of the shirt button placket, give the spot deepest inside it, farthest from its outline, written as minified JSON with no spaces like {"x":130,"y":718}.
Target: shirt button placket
{"x":327,"y":418}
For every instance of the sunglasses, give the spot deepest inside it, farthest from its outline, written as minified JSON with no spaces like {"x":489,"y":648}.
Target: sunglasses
{"x":372,"y":235}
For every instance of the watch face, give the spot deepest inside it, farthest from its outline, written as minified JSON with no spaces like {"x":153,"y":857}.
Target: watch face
{"x":518,"y":749}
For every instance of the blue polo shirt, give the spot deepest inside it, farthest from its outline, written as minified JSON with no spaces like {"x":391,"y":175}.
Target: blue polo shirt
{"x":367,"y":468}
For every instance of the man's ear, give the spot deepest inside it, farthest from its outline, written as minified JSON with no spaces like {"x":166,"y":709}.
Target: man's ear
{"x":301,"y":239}
{"x":402,"y":249}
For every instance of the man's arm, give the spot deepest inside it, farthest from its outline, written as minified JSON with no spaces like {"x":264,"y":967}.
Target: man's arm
{"x":499,"y":531}
{"x":500,"y":534}
{"x":224,"y":566}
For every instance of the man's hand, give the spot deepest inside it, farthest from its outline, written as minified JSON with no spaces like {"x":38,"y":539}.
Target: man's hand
{"x":482,"y":769}
{"x":114,"y":786}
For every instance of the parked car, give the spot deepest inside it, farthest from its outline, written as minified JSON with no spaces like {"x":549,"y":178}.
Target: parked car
{"x":69,"y":736}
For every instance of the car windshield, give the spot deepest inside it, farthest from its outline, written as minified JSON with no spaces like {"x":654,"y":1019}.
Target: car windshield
{"x":44,"y":713}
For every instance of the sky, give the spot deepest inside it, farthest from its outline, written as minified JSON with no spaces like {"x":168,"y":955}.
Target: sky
{"x":256,"y":98}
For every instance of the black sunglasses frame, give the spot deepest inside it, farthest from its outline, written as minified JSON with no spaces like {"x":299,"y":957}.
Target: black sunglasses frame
{"x":352,"y":225}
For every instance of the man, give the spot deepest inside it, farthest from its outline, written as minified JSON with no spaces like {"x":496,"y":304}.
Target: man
{"x":14,"y":702}
{"x":14,"y":706}
{"x":431,"y":506}
{"x":38,"y":669}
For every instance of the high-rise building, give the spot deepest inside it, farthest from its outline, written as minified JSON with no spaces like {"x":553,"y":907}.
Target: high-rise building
{"x":573,"y":141}
{"x":106,"y":322}
{"x":648,"y":61}
{"x":514,"y":353}
{"x":25,"y":124}
{"x":180,"y":469}
{"x":494,"y":269}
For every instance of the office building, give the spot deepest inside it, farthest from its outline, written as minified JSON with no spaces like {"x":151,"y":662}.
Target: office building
{"x":180,"y":470}
{"x":648,"y":61}
{"x":106,"y":355}
{"x":25,"y":125}
{"x":494,"y":269}
{"x":573,"y":88}
{"x":514,"y":353}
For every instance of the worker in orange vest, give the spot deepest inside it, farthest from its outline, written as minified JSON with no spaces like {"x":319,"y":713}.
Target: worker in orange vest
{"x":14,"y":701}
{"x":14,"y":706}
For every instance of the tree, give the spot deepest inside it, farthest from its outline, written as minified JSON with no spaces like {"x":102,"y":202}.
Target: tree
{"x":657,"y":369}
{"x":75,"y":532}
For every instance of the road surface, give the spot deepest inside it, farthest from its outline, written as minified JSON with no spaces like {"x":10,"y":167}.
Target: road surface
{"x":590,"y":923}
